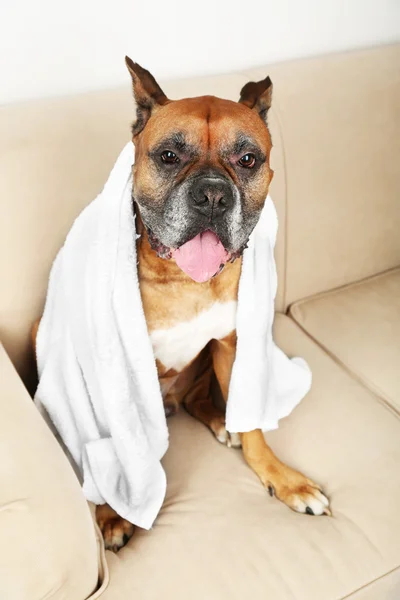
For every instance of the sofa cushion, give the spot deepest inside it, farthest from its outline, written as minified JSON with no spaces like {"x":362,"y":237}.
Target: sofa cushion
{"x":359,"y":326}
{"x":220,"y":535}
{"x":49,"y":545}
{"x":56,"y":156}
{"x":340,"y":125}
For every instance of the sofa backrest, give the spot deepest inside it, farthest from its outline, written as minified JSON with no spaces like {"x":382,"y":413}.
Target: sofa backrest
{"x":55,"y":157}
{"x":339,"y":119}
{"x":335,"y":129}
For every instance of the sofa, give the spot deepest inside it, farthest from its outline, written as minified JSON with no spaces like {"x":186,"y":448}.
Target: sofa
{"x":335,"y":126}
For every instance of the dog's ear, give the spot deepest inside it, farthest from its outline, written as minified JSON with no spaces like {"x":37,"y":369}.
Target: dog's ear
{"x":258,"y":96}
{"x":147,"y":94}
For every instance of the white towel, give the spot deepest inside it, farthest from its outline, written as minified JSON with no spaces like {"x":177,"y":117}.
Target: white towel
{"x":97,"y":374}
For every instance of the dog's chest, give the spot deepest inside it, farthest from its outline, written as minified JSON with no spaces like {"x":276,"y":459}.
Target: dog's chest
{"x":176,"y":346}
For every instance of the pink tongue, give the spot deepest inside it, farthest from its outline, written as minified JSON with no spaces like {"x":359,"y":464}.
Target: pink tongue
{"x":201,"y":257}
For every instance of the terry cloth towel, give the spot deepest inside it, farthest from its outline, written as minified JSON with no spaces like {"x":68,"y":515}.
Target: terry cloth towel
{"x":98,"y":379}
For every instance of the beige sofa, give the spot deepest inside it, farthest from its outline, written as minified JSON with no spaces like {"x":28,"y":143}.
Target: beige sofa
{"x":336,"y":131}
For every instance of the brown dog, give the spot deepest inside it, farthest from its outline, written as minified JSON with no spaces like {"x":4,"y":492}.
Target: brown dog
{"x":201,"y":176}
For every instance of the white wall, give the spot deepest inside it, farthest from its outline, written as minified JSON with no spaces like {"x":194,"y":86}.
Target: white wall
{"x":50,"y":47}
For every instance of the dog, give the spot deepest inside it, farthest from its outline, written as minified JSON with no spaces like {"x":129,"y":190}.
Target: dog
{"x":201,"y":176}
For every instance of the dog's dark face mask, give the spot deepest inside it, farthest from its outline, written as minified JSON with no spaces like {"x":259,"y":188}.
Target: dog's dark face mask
{"x":201,"y":164}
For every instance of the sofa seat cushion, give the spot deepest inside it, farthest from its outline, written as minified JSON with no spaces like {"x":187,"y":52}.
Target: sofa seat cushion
{"x":359,"y":325}
{"x":220,"y":535}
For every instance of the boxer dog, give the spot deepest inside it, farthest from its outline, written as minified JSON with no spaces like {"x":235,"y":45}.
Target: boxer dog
{"x":201,"y":176}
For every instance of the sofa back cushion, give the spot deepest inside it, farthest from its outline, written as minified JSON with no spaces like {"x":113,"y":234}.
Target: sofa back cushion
{"x":55,"y":158}
{"x":339,"y":119}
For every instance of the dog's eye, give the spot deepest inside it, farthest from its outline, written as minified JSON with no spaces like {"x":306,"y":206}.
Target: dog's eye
{"x":168,"y":157}
{"x":248,"y":161}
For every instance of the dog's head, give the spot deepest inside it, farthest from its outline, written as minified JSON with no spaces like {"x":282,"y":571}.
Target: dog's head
{"x":201,"y":165}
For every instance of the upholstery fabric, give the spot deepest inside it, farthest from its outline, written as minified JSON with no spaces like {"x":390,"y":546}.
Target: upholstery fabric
{"x":359,"y":326}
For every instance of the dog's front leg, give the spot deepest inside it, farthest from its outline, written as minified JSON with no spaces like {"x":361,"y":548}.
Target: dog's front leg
{"x":116,"y":530}
{"x":289,"y":486}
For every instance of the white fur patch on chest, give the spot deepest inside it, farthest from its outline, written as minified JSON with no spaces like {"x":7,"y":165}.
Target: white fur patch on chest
{"x":177,"y":346}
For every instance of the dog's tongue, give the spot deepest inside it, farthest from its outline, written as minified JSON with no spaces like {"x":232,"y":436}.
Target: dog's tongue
{"x":201,"y":257}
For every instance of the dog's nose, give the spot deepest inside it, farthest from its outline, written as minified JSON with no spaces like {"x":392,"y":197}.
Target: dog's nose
{"x":212,"y":196}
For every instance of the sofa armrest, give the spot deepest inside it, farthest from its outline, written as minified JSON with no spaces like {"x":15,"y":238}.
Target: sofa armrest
{"x":49,"y":546}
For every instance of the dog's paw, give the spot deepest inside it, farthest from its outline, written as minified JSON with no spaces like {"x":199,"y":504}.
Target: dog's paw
{"x":116,"y":531}
{"x":298,"y":492}
{"x":232,"y":440}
